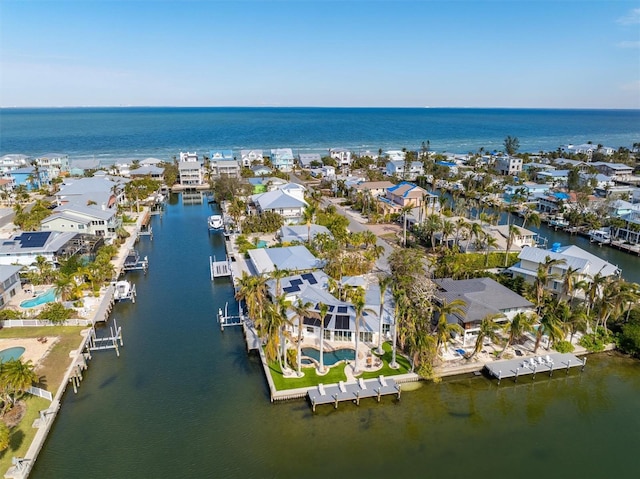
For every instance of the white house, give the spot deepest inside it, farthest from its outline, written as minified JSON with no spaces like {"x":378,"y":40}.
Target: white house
{"x":341,"y":155}
{"x":251,"y":157}
{"x":223,"y":163}
{"x":83,"y":219}
{"x":9,"y":282}
{"x":508,"y":165}
{"x":288,"y":201}
{"x":397,"y":168}
{"x":190,"y":173}
{"x":24,"y":247}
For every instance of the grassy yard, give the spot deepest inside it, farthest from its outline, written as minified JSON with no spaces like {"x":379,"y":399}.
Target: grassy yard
{"x":310,"y":378}
{"x":55,"y":364}
{"x":22,"y":435}
{"x":405,"y":366}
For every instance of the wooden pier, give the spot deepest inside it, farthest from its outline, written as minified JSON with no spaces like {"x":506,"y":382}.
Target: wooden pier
{"x":513,"y":368}
{"x":219,"y":269}
{"x":353,"y":391}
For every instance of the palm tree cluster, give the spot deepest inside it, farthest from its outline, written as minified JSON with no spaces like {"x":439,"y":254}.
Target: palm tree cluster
{"x":16,"y":376}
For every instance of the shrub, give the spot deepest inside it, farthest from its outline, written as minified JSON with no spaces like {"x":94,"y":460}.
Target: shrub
{"x":55,"y":312}
{"x":592,"y":343}
{"x":564,"y":347}
{"x":629,"y":339}
{"x":10,"y":314}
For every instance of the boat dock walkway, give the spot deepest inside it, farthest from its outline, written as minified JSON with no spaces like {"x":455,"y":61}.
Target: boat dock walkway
{"x":513,"y":368}
{"x":353,"y":391}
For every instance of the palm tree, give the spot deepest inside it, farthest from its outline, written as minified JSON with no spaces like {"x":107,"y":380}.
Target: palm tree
{"x":532,"y":216}
{"x":302,"y":310}
{"x":474,"y":230}
{"x":520,"y":324}
{"x":543,"y":276}
{"x":63,"y":286}
{"x":16,"y":377}
{"x":402,"y":303}
{"x":514,"y":231}
{"x":488,"y":329}
{"x":460,"y":225}
{"x":278,"y":274}
{"x":308,"y":216}
{"x":384,"y":282}
{"x":447,"y":230}
{"x":550,"y":325}
{"x":444,"y":329}
{"x":569,"y":281}
{"x":323,"y":309}
{"x":253,"y":291}
{"x":360,"y":310}
{"x":272,"y":333}
{"x":489,"y":242}
{"x":404,"y":211}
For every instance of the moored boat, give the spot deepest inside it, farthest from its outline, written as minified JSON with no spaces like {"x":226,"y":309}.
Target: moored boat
{"x":602,"y":236}
{"x":215,"y":222}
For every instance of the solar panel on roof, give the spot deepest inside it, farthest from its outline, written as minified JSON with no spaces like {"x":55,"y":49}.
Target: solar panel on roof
{"x":291,"y":289}
{"x":342,"y":309}
{"x":296,"y":281}
{"x":310,"y":278}
{"x":342,"y":322}
{"x":35,"y":239}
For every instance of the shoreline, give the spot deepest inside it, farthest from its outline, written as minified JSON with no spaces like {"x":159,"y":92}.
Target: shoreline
{"x":79,"y":362}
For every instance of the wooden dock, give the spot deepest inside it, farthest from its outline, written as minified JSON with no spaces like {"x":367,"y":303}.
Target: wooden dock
{"x":513,"y":368}
{"x":219,"y":269}
{"x":353,"y":391}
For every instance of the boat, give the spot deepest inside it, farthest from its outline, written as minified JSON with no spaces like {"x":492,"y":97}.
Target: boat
{"x":124,"y":290}
{"x":558,"y":222}
{"x":601,"y":236}
{"x":215,"y":222}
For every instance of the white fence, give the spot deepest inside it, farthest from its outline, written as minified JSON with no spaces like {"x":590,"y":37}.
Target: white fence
{"x":40,"y":393}
{"x":19,"y":323}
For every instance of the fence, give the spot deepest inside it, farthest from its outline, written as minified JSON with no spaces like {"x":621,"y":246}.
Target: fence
{"x":19,"y":323}
{"x":40,"y":393}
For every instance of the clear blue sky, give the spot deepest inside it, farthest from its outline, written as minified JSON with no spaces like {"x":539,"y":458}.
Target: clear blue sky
{"x":510,"y":53}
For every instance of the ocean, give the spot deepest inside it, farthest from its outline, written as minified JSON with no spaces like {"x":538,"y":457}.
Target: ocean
{"x":118,"y":134}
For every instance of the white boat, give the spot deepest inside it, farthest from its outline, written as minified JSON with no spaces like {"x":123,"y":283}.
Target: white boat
{"x":124,"y":290}
{"x":558,"y":222}
{"x":601,"y":236}
{"x":215,"y":222}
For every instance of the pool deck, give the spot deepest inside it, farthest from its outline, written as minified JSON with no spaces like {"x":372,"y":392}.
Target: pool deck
{"x":34,"y":350}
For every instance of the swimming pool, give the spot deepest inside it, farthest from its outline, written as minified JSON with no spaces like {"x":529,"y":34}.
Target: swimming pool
{"x":330,"y":357}
{"x":11,"y":354}
{"x":46,"y":297}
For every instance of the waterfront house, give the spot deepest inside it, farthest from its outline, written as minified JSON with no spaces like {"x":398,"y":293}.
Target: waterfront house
{"x":524,"y":237}
{"x":223,"y":163}
{"x":586,"y":264}
{"x":617,"y":171}
{"x":190,"y":173}
{"x":309,"y":160}
{"x":102,"y":191}
{"x":290,"y":258}
{"x":9,"y":282}
{"x":537,"y":166}
{"x":630,"y":232}
{"x":149,"y":171}
{"x":24,"y":247}
{"x":341,"y":155}
{"x":554,"y":178}
{"x":56,"y":164}
{"x":555,"y":202}
{"x":567,"y":163}
{"x":482,"y":297}
{"x":188,"y":156}
{"x":508,"y":165}
{"x":282,"y":159}
{"x":13,"y":161}
{"x":151,"y":162}
{"x":249,"y":158}
{"x":288,"y":201}
{"x":395,"y":155}
{"x":397,"y":168}
{"x":261,"y":170}
{"x":597,"y":181}
{"x":301,"y":233}
{"x":98,"y":221}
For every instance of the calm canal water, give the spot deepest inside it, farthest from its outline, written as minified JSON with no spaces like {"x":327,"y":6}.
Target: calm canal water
{"x":186,"y":401}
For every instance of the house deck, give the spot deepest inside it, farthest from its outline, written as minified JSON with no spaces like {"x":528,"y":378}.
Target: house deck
{"x":512,"y":368}
{"x":335,"y":393}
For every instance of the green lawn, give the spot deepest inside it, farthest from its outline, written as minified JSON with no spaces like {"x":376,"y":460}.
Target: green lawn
{"x":310,"y":378}
{"x":405,"y":365}
{"x":336,"y":373}
{"x":22,"y":435}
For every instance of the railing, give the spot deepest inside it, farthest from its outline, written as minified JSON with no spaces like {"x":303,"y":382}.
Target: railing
{"x":40,"y":393}
{"x":21,"y":323}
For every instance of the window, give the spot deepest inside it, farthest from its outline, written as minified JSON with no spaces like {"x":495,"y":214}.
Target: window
{"x":327,"y":334}
{"x":366,"y":336}
{"x":310,"y":329}
{"x":386,"y":328}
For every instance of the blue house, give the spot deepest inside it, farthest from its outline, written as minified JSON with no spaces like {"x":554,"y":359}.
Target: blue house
{"x":27,"y":176}
{"x":282,"y":159}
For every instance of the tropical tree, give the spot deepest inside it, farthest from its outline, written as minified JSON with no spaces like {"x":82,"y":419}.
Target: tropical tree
{"x":384,"y":282}
{"x":405,"y":211}
{"x":519,"y":325}
{"x":323,"y":310}
{"x":489,"y":242}
{"x":253,"y":291}
{"x":531,"y":216}
{"x":543,"y":276}
{"x":488,"y":329}
{"x":308,"y":216}
{"x":63,"y":286}
{"x":511,"y":145}
{"x":445,"y":329}
{"x":513,"y":232}
{"x":302,"y":310}
{"x":16,"y":376}
{"x":359,"y":309}
{"x":550,"y":326}
{"x":569,"y":281}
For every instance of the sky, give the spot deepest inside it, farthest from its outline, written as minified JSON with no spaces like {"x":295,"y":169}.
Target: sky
{"x":435,"y":53}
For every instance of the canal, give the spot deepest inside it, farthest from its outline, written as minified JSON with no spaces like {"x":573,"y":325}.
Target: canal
{"x":186,"y":401}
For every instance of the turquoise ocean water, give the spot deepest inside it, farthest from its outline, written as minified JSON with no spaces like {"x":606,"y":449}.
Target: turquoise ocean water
{"x":130,"y":133}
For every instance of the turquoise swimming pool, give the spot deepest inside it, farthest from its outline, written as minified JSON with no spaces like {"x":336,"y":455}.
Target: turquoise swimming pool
{"x":46,"y":297}
{"x":330,"y":357}
{"x":11,"y":354}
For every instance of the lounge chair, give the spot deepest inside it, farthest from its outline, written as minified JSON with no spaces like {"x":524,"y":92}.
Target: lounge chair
{"x":341,"y":387}
{"x":383,"y":381}
{"x":362,"y":383}
{"x":321,"y":389}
